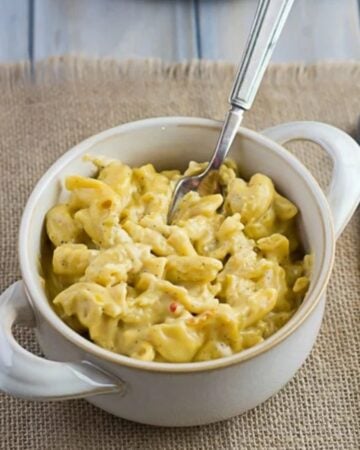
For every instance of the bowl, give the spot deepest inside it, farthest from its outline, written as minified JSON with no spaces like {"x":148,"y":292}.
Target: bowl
{"x":178,"y":394}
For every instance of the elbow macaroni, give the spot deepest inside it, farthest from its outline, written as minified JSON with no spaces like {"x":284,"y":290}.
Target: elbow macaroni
{"x":225,"y":274}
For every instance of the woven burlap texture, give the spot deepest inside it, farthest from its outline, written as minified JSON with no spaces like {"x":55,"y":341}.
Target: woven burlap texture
{"x":47,"y":109}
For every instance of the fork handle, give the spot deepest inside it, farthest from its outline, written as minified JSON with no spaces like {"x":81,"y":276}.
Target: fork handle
{"x":268,"y":23}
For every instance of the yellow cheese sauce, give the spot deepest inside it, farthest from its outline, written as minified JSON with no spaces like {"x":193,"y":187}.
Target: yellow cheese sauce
{"x":228,"y":272}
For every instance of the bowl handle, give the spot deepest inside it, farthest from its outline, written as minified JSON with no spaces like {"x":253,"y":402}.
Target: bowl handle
{"x":28,"y":376}
{"x":343,"y":193}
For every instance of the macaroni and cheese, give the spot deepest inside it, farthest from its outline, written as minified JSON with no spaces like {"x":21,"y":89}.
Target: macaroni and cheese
{"x":227,"y":273}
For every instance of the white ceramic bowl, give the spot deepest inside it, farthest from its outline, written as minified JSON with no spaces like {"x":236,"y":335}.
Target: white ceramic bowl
{"x":191,"y":393}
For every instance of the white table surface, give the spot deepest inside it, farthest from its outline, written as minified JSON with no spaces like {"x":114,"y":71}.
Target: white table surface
{"x":171,"y":29}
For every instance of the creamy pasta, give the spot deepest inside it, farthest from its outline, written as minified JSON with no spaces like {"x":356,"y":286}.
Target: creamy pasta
{"x":228,"y":272}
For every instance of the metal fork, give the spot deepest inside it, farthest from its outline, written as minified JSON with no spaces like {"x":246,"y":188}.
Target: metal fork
{"x":270,"y":18}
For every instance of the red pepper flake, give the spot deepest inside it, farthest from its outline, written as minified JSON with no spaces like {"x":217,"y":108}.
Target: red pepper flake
{"x":173,"y":307}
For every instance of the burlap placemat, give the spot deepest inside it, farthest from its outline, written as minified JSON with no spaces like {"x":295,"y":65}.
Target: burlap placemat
{"x":46,"y":110}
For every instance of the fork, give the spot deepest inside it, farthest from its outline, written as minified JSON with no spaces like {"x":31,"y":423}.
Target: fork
{"x":270,"y":18}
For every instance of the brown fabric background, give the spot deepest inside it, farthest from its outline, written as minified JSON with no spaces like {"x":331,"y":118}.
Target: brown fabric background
{"x":47,"y":110}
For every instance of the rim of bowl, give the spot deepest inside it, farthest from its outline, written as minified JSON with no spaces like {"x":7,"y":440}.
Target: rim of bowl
{"x":42,"y":304}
